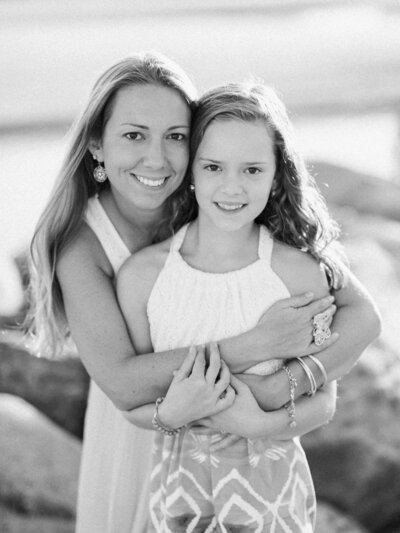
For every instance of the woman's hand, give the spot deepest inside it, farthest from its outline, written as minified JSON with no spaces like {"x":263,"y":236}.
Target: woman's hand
{"x":196,"y":391}
{"x":287,"y":326}
{"x":242,"y":418}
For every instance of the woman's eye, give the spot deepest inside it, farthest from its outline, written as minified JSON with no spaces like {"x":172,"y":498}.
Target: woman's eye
{"x":134,"y":136}
{"x":177,"y":136}
{"x":253,"y":170}
{"x":212,"y":168}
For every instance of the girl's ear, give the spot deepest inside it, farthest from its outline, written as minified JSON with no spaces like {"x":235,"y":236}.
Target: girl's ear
{"x":96,"y":149}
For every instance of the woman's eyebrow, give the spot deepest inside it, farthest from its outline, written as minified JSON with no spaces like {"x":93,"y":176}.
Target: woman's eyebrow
{"x":185,"y":126}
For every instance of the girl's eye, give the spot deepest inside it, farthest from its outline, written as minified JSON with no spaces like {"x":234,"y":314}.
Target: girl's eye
{"x":134,"y":136}
{"x":253,"y":170}
{"x":212,"y":168}
{"x":177,"y":136}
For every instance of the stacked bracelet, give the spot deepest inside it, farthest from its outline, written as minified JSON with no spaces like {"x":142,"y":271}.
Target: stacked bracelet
{"x":310,"y":375}
{"x":157,"y":423}
{"x":290,"y":406}
{"x":322,"y":369}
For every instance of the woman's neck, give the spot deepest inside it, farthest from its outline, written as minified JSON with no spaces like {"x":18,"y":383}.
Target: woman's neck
{"x":213,"y":249}
{"x":136,"y":227}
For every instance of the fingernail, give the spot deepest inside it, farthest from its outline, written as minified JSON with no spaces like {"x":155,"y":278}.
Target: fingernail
{"x":309,"y":294}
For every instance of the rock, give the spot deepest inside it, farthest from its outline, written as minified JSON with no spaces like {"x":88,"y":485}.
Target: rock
{"x":39,"y":465}
{"x":366,"y":194}
{"x":11,"y":522}
{"x":330,"y":520}
{"x":355,"y":460}
{"x":57,"y":388}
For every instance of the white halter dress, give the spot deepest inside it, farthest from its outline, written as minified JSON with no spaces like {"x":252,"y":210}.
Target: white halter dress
{"x":212,"y":482}
{"x":116,"y":457}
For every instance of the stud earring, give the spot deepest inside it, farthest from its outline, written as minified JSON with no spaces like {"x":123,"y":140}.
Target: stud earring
{"x":192,"y":187}
{"x":99,"y":172}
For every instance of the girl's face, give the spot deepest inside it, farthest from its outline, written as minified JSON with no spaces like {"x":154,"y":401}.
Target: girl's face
{"x":233,"y":171}
{"x":145,"y":144}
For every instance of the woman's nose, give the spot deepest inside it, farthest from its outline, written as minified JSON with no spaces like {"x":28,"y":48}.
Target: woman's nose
{"x":154,"y":156}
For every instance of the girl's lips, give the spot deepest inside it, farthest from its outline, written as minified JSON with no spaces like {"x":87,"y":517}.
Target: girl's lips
{"x":228,"y":206}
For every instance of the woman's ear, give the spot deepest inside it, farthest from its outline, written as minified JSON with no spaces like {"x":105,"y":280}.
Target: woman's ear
{"x":96,"y":149}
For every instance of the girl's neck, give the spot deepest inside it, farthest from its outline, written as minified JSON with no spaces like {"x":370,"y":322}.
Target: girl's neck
{"x":213,"y":249}
{"x":135,"y":226}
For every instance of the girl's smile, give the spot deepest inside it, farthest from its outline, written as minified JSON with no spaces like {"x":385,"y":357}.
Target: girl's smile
{"x":233,"y":171}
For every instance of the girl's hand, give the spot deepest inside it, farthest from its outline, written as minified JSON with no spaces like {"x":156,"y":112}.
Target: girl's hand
{"x":196,"y":392}
{"x":242,"y":418}
{"x":287,"y":326}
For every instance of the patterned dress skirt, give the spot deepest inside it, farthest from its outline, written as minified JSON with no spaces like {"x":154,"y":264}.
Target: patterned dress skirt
{"x":225,"y":483}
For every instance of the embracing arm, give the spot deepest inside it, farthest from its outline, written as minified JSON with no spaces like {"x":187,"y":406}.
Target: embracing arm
{"x":358,"y":324}
{"x":104,"y":344}
{"x":247,"y":419}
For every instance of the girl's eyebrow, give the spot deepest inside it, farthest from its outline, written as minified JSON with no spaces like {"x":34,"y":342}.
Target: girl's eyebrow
{"x":244,"y":163}
{"x":209,"y":160}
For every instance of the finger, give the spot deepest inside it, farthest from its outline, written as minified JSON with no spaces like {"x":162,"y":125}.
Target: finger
{"x":298,"y":301}
{"x":328,"y":342}
{"x":238,"y":385}
{"x":227,"y":400}
{"x":224,"y":379}
{"x":199,"y":364}
{"x":319,"y":306}
{"x":186,"y":367}
{"x":214,"y":364}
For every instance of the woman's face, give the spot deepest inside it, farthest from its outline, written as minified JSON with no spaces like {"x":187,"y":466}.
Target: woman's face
{"x":145,"y":144}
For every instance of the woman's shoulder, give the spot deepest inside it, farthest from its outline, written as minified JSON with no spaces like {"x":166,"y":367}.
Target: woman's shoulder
{"x":298,"y":269}
{"x":84,"y":250}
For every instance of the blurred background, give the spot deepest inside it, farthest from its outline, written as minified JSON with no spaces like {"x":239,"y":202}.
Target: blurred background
{"x":336,"y":65}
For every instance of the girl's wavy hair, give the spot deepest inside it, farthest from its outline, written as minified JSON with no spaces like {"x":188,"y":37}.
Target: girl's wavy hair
{"x":296,"y":213}
{"x":64,"y":213}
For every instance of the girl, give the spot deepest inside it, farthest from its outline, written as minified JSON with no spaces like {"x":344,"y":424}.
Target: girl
{"x":259,"y":232}
{"x":136,"y":126}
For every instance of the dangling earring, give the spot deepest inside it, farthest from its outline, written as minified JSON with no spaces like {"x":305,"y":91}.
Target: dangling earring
{"x":192,"y":187}
{"x":99,"y":172}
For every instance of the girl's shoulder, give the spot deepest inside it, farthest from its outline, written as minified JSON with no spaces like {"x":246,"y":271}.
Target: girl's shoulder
{"x":145,"y":265}
{"x":298,"y":270}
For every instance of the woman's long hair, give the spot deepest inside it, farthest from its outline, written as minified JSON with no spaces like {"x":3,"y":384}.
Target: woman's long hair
{"x":64,"y":213}
{"x":296,"y":213}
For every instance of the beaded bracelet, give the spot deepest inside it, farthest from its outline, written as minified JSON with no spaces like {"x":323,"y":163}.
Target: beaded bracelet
{"x":290,"y":406}
{"x":322,"y":369}
{"x":310,"y":375}
{"x":156,"y":423}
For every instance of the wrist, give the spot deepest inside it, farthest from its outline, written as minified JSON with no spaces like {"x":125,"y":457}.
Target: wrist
{"x":167,"y":417}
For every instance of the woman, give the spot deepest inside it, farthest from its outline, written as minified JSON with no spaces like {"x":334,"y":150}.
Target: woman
{"x":136,"y":126}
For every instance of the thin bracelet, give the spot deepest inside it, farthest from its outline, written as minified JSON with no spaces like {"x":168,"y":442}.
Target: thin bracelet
{"x":290,"y":406}
{"x":310,"y":375}
{"x":157,"y":424}
{"x":322,"y":369}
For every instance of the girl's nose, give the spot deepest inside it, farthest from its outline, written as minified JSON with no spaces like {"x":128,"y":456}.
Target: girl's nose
{"x":154,"y":156}
{"x":232,"y":183}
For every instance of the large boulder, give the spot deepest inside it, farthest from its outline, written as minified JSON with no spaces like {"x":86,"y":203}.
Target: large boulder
{"x":331,"y":520}
{"x":57,"y":388}
{"x":365,"y":193}
{"x":355,"y":460}
{"x":39,"y":465}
